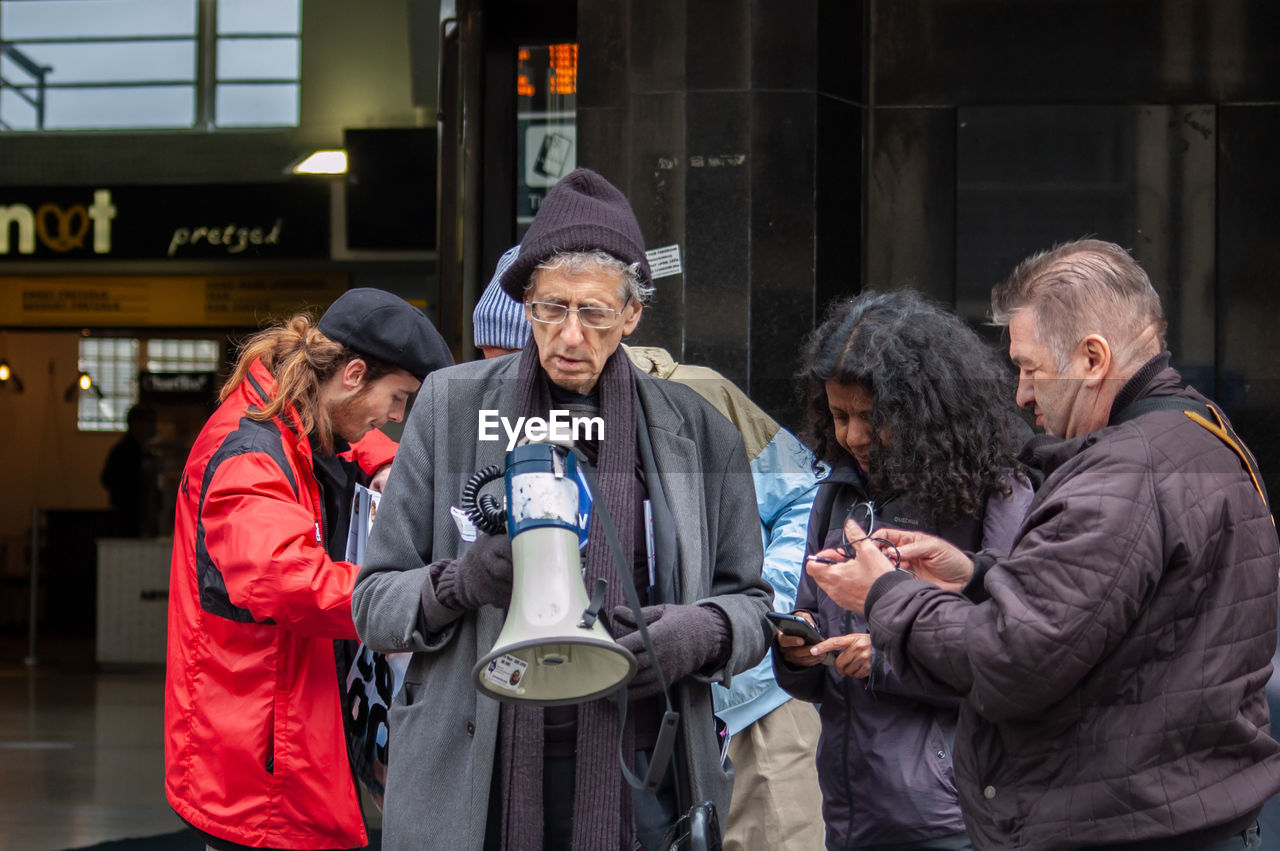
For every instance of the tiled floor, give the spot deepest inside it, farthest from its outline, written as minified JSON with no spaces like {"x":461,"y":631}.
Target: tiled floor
{"x":81,"y":754}
{"x":82,"y":758}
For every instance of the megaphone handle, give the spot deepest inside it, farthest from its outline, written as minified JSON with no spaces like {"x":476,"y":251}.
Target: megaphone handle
{"x":592,"y":613}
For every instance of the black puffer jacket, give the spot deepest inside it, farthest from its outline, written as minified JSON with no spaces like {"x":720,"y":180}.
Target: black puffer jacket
{"x":1114,"y":671}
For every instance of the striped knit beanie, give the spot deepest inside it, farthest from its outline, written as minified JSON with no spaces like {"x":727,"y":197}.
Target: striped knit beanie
{"x":582,"y":212}
{"x":498,"y":319}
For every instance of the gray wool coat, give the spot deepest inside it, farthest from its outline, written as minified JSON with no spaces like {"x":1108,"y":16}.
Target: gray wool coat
{"x":443,"y":733}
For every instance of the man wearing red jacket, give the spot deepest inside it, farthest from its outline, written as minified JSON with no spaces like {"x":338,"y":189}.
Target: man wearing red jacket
{"x":255,"y":751}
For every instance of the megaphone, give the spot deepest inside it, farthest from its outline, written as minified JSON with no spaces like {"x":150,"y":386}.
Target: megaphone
{"x":552,"y":649}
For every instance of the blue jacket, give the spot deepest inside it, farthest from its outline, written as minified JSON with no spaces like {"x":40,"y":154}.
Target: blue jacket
{"x":782,"y":469}
{"x":785,"y":487}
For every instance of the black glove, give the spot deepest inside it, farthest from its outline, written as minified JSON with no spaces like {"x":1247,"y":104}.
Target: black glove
{"x":480,"y":576}
{"x":685,"y":638}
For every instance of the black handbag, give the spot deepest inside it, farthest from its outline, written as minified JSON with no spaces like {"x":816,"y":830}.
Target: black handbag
{"x":697,"y":830}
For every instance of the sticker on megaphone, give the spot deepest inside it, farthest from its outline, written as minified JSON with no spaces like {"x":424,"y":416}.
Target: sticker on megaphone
{"x":505,"y":672}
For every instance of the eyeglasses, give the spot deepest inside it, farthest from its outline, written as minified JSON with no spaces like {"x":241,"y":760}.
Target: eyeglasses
{"x":551,"y":313}
{"x":864,"y":514}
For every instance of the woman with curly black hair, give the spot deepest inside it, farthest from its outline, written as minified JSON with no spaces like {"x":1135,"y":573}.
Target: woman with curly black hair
{"x":911,"y":411}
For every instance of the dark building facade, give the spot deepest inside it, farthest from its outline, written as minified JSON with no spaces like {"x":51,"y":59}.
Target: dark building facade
{"x":804,"y":150}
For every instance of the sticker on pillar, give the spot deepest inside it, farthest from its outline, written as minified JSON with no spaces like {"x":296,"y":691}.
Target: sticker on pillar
{"x":665,"y":261}
{"x":550,"y":153}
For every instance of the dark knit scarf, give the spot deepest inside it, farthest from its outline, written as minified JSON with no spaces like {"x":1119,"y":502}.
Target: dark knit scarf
{"x":602,"y":809}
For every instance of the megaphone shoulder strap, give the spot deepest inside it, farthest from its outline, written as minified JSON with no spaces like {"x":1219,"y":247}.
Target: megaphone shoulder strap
{"x":671,"y":719}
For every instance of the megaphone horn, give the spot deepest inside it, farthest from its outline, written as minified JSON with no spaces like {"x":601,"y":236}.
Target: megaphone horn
{"x":553,"y":649}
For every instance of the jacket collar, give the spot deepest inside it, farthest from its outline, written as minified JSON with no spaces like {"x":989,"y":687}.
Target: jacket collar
{"x":1155,"y":378}
{"x":259,"y":388}
{"x":651,"y":359}
{"x":1046,"y":453}
{"x":259,"y":385}
{"x":845,"y":471}
{"x":659,"y":412}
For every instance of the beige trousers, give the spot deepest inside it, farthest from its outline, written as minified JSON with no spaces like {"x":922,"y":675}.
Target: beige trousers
{"x":776,"y":800}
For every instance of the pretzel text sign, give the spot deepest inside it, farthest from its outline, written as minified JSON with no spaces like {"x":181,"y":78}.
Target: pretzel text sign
{"x":231,"y":223}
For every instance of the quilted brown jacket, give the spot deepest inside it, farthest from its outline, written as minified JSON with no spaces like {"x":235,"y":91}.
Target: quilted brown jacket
{"x":1113,"y":664}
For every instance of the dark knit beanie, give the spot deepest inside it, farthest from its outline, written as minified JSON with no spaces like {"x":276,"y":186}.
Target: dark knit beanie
{"x":583,"y":212}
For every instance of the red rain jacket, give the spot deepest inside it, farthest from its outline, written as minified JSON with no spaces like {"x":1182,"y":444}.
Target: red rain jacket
{"x":254,"y":743}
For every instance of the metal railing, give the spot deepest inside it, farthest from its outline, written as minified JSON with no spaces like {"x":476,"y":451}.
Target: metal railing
{"x":38,"y":74}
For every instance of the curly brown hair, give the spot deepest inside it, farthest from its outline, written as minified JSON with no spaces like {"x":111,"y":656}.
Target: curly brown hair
{"x":936,"y":387}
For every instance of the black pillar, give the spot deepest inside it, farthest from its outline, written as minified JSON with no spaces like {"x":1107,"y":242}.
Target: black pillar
{"x":805,"y":150}
{"x":735,"y":129}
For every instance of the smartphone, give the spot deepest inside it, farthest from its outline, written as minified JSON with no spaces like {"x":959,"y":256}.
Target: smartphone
{"x":795,"y":625}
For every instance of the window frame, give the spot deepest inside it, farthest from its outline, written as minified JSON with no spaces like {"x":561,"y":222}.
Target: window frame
{"x":142,"y":359}
{"x":109,"y":394}
{"x":205,"y":83}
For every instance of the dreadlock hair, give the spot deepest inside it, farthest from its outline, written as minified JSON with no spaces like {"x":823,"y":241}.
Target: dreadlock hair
{"x":939,"y":397}
{"x":301,"y":360}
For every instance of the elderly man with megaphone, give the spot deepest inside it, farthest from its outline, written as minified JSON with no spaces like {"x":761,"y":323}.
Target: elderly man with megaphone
{"x":500,"y":735}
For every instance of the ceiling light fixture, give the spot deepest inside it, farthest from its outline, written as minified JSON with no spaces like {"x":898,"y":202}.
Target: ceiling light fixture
{"x":332,"y":161}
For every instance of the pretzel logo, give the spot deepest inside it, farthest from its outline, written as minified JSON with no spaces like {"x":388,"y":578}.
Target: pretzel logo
{"x":72,"y":224}
{"x":59,"y":229}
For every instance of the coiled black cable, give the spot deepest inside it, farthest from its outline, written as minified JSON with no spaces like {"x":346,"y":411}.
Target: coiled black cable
{"x":482,"y":509}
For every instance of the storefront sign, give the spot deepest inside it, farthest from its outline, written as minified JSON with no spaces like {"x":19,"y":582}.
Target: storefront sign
{"x":175,"y":386}
{"x":206,"y":222}
{"x":224,"y":301}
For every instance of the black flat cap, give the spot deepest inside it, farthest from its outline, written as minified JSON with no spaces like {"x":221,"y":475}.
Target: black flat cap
{"x":384,"y":326}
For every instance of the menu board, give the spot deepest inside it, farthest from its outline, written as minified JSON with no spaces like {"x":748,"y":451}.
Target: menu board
{"x":197,"y":301}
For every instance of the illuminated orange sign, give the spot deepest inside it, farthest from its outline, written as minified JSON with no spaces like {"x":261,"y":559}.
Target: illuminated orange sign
{"x":564,"y":69}
{"x":561,"y":70}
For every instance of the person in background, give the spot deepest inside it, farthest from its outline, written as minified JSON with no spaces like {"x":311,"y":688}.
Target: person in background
{"x":255,"y":750}
{"x":906,"y":404}
{"x":131,"y":491}
{"x":772,"y":738}
{"x":498,"y":324}
{"x":1113,"y":664}
{"x":469,"y":772}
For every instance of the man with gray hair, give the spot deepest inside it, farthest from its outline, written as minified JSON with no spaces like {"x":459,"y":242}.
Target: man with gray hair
{"x":470,"y":773}
{"x":1112,"y":665}
{"x":773,"y":737}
